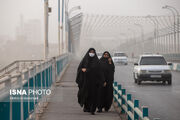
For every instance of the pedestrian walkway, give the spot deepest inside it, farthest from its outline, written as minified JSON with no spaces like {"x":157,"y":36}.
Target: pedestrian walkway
{"x":64,"y":106}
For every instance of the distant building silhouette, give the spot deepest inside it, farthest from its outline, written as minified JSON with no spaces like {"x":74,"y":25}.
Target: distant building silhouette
{"x":30,"y":31}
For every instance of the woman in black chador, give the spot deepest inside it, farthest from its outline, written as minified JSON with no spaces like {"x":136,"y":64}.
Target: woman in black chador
{"x":89,"y":79}
{"x":106,"y":92}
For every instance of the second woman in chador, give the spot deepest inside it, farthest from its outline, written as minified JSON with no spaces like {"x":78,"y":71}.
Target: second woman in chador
{"x":106,"y":92}
{"x":89,"y":79}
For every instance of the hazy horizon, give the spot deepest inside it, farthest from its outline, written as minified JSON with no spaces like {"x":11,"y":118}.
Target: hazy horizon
{"x":11,"y":12}
{"x":17,"y":18}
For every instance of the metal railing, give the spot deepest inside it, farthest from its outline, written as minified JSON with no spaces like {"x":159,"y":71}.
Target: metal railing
{"x":172,"y":57}
{"x":40,"y":75}
{"x":17,"y":65}
{"x":127,"y":105}
{"x":164,"y":40}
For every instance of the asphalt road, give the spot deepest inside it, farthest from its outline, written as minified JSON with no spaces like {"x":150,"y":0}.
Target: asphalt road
{"x":163,"y":100}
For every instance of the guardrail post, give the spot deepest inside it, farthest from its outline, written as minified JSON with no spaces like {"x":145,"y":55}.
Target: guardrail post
{"x":54,"y":72}
{"x":17,"y":65}
{"x":17,"y":106}
{"x":115,"y":92}
{"x":123,"y":101}
{"x":115,"y":83}
{"x":145,"y":111}
{"x":119,"y":95}
{"x":136,"y":104}
{"x":8,"y":86}
{"x":33,"y":85}
{"x":128,"y":107}
{"x":30,"y":75}
{"x":25,"y":103}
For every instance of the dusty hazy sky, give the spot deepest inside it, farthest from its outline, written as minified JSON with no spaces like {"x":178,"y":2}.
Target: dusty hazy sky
{"x":10,"y":11}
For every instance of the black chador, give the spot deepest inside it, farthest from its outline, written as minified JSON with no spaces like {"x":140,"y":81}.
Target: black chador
{"x":89,"y":81}
{"x":105,"y":93}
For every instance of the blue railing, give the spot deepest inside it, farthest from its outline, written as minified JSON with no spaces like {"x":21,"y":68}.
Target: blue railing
{"x":127,"y":106}
{"x":173,"y":57}
{"x":41,"y":75}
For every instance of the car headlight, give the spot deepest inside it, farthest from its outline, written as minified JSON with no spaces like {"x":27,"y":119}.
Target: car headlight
{"x":167,"y":71}
{"x":142,"y":71}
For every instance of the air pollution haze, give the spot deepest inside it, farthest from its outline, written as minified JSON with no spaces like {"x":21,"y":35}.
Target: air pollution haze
{"x":22,"y":25}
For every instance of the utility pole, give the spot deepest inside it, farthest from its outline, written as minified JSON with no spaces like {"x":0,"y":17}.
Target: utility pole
{"x":62,"y":27}
{"x":176,"y":34}
{"x":156,"y":33}
{"x":46,"y":11}
{"x":142,"y":35}
{"x":59,"y":28}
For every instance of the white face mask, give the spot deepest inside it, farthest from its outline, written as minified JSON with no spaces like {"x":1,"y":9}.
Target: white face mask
{"x":91,"y":54}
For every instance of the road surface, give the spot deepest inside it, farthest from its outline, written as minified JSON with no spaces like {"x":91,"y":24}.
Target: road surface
{"x":163,"y":100}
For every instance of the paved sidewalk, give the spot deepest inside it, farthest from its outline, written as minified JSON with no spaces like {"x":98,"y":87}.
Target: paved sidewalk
{"x":64,"y":105}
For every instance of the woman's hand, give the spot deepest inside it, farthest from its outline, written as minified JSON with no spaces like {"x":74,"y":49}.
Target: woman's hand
{"x":109,"y":60}
{"x":84,"y":69}
{"x":105,"y":84}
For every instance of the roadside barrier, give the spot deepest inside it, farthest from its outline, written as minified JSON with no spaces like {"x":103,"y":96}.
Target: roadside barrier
{"x":38,"y":76}
{"x":131,"y":108}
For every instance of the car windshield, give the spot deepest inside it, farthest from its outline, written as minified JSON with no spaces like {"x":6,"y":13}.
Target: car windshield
{"x":153,"y":61}
{"x":119,"y":54}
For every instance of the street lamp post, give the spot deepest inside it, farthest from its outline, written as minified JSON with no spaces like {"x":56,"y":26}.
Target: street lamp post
{"x":67,"y":27}
{"x":47,"y":10}
{"x":156,"y":33}
{"x":133,"y":38}
{"x":59,"y":28}
{"x":142,"y":35}
{"x":126,"y":37}
{"x":176,"y":34}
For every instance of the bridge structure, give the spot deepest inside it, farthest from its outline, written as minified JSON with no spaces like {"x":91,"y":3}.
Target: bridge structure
{"x":134,"y":35}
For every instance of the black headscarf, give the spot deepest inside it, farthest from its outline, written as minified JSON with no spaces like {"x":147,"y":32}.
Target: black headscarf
{"x":106,"y":59}
{"x":89,"y":61}
{"x":86,"y":62}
